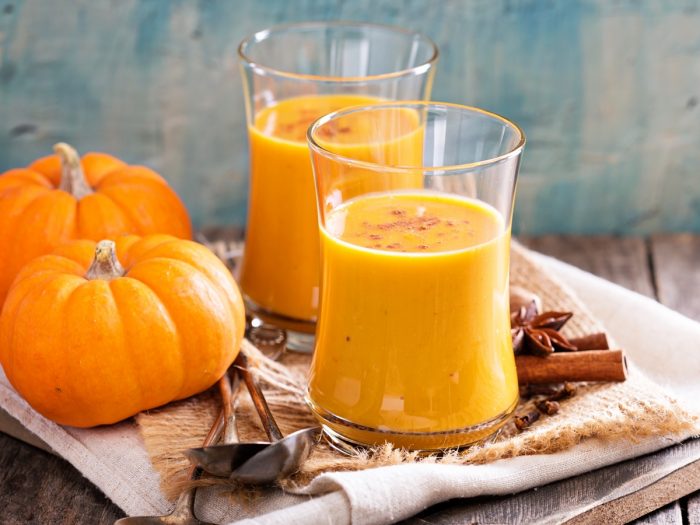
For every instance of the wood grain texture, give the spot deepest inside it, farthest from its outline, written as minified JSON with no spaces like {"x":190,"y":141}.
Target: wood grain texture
{"x":39,"y":488}
{"x":676,"y":263}
{"x":608,"y":94}
{"x":621,"y":260}
{"x":676,"y":260}
{"x":693,"y":509}
{"x":552,"y":503}
{"x":627,"y":508}
{"x":668,"y":515}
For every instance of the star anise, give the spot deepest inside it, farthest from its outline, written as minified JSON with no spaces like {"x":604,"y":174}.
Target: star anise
{"x":538,"y":334}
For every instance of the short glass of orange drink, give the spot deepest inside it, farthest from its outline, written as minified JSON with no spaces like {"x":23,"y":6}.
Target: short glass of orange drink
{"x":413,"y":344}
{"x":292,"y":75}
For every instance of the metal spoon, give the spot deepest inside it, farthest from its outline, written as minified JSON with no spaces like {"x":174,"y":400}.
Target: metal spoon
{"x":285,"y":454}
{"x":279,"y":458}
{"x":183,"y":513}
{"x":220,"y":460}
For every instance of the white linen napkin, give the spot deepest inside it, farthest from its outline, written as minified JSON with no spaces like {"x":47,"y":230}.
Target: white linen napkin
{"x":114,"y":458}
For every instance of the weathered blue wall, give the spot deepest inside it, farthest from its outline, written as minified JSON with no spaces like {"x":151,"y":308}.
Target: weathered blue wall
{"x":607,"y":91}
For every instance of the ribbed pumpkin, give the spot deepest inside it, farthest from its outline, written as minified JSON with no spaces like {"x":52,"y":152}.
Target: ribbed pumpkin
{"x":60,"y":197}
{"x":91,"y":334}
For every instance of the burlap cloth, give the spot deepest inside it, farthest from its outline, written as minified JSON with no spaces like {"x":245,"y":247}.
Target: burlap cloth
{"x":632,"y":411}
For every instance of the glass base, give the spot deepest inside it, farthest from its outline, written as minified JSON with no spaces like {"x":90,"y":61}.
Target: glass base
{"x":347,"y":437}
{"x":299,"y":332}
{"x":300,"y":342}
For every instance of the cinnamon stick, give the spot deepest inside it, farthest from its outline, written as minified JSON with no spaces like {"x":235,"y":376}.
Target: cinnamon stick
{"x":597,"y":341}
{"x":585,"y":365}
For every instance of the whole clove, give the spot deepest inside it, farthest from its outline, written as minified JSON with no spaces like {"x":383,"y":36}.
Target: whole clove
{"x":566,"y":391}
{"x":545,"y":389}
{"x":547,"y":407}
{"x":553,"y":391}
{"x":524,"y":421}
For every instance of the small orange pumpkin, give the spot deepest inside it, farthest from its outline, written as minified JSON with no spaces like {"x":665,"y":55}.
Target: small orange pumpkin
{"x":60,"y":197}
{"x":95,"y":333}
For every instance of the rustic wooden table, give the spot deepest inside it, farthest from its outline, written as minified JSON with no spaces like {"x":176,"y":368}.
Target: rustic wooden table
{"x":37,"y":487}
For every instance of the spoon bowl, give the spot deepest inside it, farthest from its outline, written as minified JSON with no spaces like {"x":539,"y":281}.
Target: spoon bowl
{"x":183,"y":513}
{"x":278,"y":459}
{"x":257,"y":463}
{"x":221,"y":460}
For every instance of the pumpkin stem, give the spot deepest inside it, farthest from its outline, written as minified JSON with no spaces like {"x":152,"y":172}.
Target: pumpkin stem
{"x":72,"y":176}
{"x":105,"y":265}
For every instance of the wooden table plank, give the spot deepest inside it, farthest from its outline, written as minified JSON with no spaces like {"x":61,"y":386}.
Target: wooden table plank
{"x":676,"y":261}
{"x":553,"y":501}
{"x":693,"y":511}
{"x":668,"y":515}
{"x":621,"y":260}
{"x":638,"y":503}
{"x":625,"y":261}
{"x":38,"y":487}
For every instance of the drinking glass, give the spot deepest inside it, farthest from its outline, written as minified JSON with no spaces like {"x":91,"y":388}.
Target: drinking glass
{"x":413,"y":343}
{"x":292,"y":75}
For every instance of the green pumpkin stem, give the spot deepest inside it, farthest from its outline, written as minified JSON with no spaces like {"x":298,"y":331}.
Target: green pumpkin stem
{"x":72,"y":177}
{"x":105,"y":265}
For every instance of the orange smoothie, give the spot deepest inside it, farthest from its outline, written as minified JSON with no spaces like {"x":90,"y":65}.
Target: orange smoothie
{"x":280,"y":269}
{"x":413,"y":343}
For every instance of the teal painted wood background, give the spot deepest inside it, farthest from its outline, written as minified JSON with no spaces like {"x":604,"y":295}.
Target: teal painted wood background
{"x":607,"y":91}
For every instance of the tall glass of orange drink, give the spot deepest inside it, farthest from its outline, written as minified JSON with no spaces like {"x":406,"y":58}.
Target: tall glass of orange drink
{"x":293,"y":75}
{"x":413,"y":343}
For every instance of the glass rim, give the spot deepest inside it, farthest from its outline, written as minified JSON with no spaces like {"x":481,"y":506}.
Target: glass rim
{"x":263,"y":34}
{"x":318,"y":148}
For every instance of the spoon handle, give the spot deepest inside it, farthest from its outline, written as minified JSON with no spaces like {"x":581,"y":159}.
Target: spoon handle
{"x":268,"y":421}
{"x":226,"y":402}
{"x":230,"y":431}
{"x":184,"y":506}
{"x":216,"y":429}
